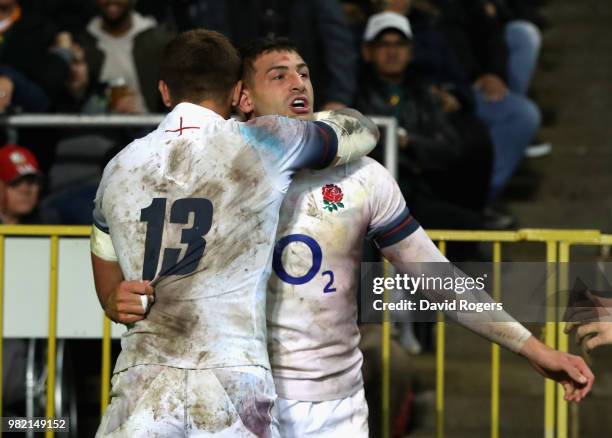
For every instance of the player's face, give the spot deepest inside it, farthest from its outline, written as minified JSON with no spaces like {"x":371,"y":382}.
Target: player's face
{"x":390,"y":54}
{"x":22,"y":196}
{"x":281,"y":85}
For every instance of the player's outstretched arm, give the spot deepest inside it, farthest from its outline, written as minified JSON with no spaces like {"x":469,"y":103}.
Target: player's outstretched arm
{"x":569,"y":370}
{"x":496,"y":326}
{"x":356,"y":134}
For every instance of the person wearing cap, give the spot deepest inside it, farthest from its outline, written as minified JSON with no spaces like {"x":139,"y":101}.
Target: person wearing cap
{"x":445,"y":159}
{"x":20,"y":183}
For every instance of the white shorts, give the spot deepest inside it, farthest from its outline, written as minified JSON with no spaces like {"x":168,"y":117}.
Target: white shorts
{"x":156,"y":401}
{"x":347,"y":417}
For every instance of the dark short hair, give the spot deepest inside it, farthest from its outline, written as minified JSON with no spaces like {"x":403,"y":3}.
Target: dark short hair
{"x":253,"y":50}
{"x":199,"y":65}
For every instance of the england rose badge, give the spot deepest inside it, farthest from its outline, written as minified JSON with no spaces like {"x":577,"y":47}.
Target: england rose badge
{"x":332,"y":197}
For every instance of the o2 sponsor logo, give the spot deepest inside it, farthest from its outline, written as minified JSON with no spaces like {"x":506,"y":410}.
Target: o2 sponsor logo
{"x":317,"y":257}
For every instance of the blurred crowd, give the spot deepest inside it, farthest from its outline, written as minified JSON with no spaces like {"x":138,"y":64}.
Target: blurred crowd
{"x":454,"y":73}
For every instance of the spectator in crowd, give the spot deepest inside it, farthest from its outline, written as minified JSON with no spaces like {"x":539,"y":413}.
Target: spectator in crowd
{"x":18,"y":93}
{"x":122,"y":49}
{"x":477,"y":36}
{"x":20,"y":184}
{"x":27,"y":40}
{"x":523,"y":40}
{"x":441,"y":168}
{"x":357,"y":13}
{"x":459,"y":43}
{"x":81,"y":94}
{"x":113,"y":67}
{"x":317,"y":27}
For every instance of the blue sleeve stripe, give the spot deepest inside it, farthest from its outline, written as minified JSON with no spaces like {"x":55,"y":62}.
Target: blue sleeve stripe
{"x":101,"y":227}
{"x":403,"y":226}
{"x":330,"y":145}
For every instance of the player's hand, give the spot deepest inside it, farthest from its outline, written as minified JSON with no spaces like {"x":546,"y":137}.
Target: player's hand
{"x":492,"y":86}
{"x":590,"y":335}
{"x":567,"y":369}
{"x":591,"y":318}
{"x":126,"y":302}
{"x":589,"y":307}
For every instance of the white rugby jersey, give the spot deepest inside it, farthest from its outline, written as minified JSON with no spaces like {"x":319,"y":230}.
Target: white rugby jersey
{"x":312,"y":293}
{"x":195,"y":205}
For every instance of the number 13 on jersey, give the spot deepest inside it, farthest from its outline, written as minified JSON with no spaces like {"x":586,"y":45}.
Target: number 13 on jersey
{"x":155,"y":214}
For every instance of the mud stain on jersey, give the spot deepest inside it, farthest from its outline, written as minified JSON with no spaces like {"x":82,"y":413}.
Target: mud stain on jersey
{"x":351,"y":126}
{"x":208,"y":408}
{"x":356,"y":124}
{"x":176,"y":327}
{"x":180,"y":159}
{"x":312,"y":209}
{"x":210,"y":189}
{"x":154,"y":183}
{"x":245,"y":209}
{"x":247,"y":393}
{"x":246,"y":170}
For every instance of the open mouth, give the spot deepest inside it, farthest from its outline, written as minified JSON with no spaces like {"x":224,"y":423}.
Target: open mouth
{"x":299,"y":105}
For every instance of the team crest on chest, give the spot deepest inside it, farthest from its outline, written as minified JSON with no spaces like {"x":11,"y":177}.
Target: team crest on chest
{"x":332,"y":197}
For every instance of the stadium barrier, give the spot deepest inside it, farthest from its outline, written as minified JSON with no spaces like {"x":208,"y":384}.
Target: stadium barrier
{"x":558,"y":245}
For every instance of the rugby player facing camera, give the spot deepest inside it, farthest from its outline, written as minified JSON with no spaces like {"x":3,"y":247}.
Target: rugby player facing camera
{"x":311,"y":309}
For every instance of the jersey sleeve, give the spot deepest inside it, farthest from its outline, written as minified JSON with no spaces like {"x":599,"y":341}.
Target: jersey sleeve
{"x":391,"y":219}
{"x":101,"y":243}
{"x":293,"y":144}
{"x":99,"y":218}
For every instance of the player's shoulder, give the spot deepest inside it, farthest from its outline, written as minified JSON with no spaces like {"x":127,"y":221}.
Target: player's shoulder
{"x":272,"y":133}
{"x":269,"y":125}
{"x":368,"y":167}
{"x":131,"y":154}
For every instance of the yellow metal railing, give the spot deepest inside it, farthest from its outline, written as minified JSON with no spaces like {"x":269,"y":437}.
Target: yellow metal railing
{"x":54,"y":233}
{"x":558,"y":245}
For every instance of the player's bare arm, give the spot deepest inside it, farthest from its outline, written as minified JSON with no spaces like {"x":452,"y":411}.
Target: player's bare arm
{"x":569,"y":370}
{"x":122,"y":301}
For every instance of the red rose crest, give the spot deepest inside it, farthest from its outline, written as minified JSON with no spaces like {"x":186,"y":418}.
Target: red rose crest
{"x":332,"y":197}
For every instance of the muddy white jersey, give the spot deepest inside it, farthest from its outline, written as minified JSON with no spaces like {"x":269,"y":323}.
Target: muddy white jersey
{"x":194,"y":207}
{"x":312,"y":293}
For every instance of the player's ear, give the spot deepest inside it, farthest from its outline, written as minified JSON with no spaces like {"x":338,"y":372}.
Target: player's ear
{"x":245,"y":103}
{"x":236,"y":93}
{"x":165,"y":93}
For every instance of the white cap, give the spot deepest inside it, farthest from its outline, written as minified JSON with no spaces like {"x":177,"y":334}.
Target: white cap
{"x":386,"y":20}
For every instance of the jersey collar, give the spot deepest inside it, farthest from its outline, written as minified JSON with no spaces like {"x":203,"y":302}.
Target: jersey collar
{"x":191,"y":109}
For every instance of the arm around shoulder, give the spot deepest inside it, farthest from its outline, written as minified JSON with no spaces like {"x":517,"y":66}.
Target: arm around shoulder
{"x":357,"y":135}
